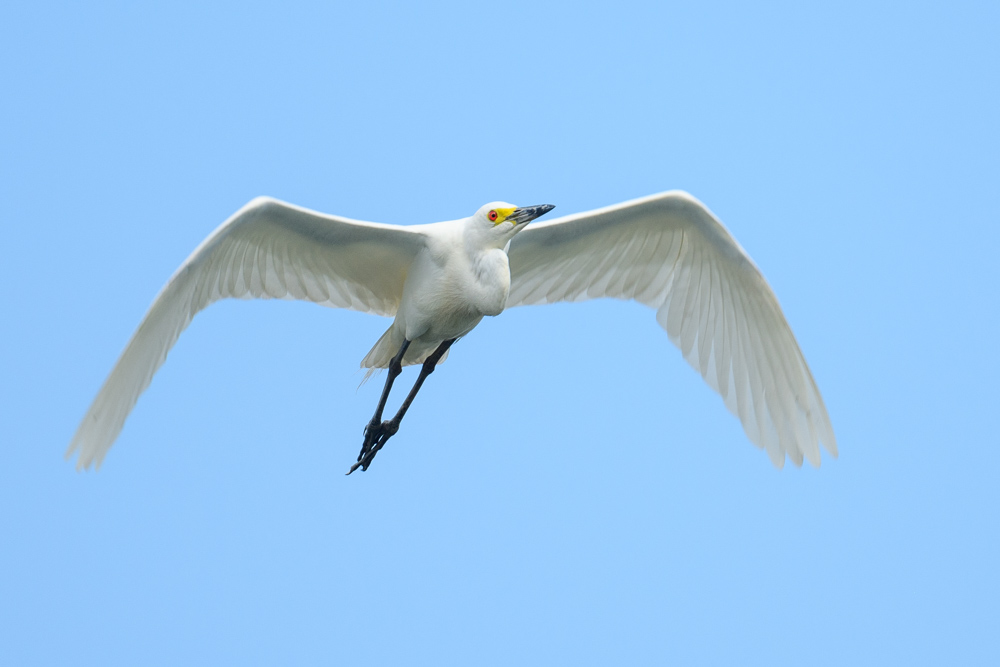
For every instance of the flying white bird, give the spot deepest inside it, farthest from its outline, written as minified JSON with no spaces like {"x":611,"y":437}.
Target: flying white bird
{"x":439,"y":280}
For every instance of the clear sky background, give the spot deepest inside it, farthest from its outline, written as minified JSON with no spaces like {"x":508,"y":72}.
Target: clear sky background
{"x":565,"y":490}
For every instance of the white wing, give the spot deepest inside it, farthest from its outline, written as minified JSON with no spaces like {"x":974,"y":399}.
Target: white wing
{"x":669,"y":252}
{"x":268,"y":249}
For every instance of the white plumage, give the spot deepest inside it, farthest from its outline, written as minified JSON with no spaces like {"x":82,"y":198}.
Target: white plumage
{"x":669,"y":252}
{"x":438,"y":280}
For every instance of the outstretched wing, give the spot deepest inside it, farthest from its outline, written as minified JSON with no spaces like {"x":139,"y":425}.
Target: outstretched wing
{"x":267,"y":250}
{"x":669,"y":252}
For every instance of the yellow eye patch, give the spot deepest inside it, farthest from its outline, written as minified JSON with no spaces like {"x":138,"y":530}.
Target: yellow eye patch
{"x":501,"y":215}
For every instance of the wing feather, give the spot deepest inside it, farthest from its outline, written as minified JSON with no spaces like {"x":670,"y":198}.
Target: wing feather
{"x":267,"y":250}
{"x":669,"y":252}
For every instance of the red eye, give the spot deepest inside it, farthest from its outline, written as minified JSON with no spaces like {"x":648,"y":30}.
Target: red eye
{"x":493,"y":216}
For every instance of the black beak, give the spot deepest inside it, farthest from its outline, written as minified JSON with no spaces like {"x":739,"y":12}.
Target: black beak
{"x":528,"y":213}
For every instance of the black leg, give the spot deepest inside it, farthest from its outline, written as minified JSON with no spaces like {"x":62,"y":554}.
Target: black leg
{"x":387,"y":429}
{"x":372,"y":430}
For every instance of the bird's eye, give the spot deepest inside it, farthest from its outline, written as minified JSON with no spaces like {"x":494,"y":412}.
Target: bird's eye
{"x":493,"y":216}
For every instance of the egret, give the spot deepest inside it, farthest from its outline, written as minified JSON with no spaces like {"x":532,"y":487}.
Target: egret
{"x":438,"y":281}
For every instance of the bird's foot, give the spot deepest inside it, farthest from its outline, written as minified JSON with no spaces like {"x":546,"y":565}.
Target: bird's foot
{"x":372,"y":431}
{"x":376,"y":435}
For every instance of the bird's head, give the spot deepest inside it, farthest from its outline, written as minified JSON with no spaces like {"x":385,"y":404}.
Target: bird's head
{"x":497,"y":222}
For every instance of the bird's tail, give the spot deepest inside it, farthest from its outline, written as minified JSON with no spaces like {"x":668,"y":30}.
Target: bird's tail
{"x":382,"y":352}
{"x":388,"y":345}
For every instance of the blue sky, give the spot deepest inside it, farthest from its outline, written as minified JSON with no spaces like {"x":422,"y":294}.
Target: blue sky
{"x":565,"y":489}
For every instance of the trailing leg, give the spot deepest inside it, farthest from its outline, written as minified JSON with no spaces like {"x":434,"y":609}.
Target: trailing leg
{"x":387,"y":429}
{"x":373,"y":428}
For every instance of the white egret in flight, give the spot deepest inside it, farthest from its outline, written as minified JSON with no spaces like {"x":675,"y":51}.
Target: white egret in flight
{"x":439,"y":280}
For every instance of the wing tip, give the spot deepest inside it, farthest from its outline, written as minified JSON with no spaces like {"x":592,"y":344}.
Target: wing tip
{"x":86,"y":456}
{"x":83,"y":462}
{"x":812,"y":454}
{"x":831,"y":448}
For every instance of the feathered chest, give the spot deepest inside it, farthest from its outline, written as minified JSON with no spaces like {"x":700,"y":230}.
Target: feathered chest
{"x":478,"y":284}
{"x":450,"y":288}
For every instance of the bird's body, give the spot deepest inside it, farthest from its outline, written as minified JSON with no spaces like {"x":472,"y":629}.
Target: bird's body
{"x":450,"y":286}
{"x":438,"y":281}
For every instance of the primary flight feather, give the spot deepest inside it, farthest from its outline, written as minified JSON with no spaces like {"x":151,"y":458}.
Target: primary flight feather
{"x":439,"y":280}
